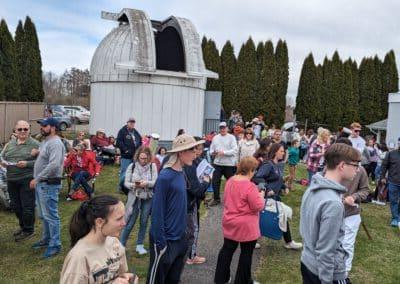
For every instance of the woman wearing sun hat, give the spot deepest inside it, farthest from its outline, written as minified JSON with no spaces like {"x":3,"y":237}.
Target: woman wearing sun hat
{"x":168,"y":243}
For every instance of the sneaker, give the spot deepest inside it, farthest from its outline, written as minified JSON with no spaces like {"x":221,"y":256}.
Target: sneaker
{"x":69,"y":198}
{"x":196,"y":260}
{"x":257,"y":246}
{"x":17,"y":232}
{"x":24,"y":236}
{"x":141,"y":250}
{"x":293,"y":245}
{"x":40,"y":244}
{"x":394,"y":223}
{"x":255,"y":282}
{"x":51,"y":251}
{"x":214,"y":202}
{"x":381,"y":203}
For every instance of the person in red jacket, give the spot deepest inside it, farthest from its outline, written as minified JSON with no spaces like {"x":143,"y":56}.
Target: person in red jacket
{"x":83,"y":166}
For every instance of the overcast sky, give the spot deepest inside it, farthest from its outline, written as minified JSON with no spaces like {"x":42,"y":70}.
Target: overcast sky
{"x":69,"y":31}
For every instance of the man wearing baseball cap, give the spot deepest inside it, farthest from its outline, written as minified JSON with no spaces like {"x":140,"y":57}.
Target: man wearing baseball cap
{"x":47,"y":174}
{"x":128,"y":140}
{"x":224,"y":149}
{"x":168,"y":243}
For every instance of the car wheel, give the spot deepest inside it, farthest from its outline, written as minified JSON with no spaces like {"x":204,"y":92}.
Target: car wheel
{"x":63,"y":126}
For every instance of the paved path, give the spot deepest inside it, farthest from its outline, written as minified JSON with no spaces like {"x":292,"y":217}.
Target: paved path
{"x":210,"y":242}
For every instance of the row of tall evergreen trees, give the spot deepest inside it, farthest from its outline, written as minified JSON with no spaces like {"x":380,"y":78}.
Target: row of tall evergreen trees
{"x":255,"y":82}
{"x":337,"y":93}
{"x":20,"y":63}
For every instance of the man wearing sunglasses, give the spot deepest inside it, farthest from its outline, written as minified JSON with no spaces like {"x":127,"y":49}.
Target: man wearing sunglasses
{"x":356,"y":140}
{"x":19,"y":159}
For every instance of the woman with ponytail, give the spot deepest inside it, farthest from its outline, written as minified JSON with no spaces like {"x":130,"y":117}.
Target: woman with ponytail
{"x":97,"y":256}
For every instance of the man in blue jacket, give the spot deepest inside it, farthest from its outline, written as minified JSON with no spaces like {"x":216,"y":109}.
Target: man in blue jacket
{"x":128,"y":140}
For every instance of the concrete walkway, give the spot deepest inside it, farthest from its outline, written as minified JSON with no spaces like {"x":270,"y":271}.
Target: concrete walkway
{"x":210,"y":242}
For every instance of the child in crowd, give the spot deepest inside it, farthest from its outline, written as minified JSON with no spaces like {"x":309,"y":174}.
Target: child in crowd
{"x":293,"y":160}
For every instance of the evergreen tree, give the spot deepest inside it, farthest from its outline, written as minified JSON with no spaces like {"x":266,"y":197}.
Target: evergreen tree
{"x":228,"y":78}
{"x":326,"y":89}
{"x":378,"y":92}
{"x":282,"y":81}
{"x":247,"y":79}
{"x":270,"y":107}
{"x":367,"y":90}
{"x":356,"y":92}
{"x":390,"y":80}
{"x":32,"y":78}
{"x":349,"y":104}
{"x":213,"y":63}
{"x":319,"y":114}
{"x":7,"y":64}
{"x":204,"y":42}
{"x":20,"y":59}
{"x":2,"y":91}
{"x":258,"y":100}
{"x":307,"y":96}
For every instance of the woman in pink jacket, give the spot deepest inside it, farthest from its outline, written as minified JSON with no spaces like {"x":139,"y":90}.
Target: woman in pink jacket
{"x":242,"y":205}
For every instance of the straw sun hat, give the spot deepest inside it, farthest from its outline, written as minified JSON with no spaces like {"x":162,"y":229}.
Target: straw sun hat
{"x":184,"y":142}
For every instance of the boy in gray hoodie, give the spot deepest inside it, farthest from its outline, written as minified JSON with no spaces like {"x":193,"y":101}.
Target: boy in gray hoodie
{"x":321,"y":218}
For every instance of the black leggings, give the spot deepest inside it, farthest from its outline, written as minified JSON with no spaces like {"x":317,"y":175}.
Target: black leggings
{"x":287,"y":237}
{"x":243,"y":272}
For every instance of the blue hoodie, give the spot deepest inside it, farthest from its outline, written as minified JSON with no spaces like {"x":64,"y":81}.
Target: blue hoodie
{"x":322,"y":229}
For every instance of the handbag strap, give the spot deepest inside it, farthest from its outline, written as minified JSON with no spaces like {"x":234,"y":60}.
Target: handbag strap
{"x":276,"y":204}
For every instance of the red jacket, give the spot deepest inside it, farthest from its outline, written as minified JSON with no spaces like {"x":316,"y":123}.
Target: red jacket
{"x":87,"y":163}
{"x":98,"y":142}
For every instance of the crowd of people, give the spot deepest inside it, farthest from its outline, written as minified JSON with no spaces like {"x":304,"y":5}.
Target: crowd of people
{"x":164,"y":187}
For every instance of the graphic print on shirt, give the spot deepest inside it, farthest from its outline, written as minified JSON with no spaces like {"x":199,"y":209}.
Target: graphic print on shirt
{"x":109,"y":271}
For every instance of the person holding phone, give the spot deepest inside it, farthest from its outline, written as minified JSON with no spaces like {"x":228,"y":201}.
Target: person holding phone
{"x":97,"y":256}
{"x":140,"y":178}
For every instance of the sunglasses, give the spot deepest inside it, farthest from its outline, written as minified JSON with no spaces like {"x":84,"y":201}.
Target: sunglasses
{"x":247,"y":133}
{"x":357,"y":130}
{"x":23,"y":129}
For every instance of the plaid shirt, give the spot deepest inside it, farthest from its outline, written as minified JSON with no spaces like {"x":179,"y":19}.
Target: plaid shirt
{"x":316,"y":160}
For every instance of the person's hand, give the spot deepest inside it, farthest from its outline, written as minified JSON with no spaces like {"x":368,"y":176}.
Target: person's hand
{"x":220,"y":153}
{"x":383,"y":181}
{"x":286,"y":190}
{"x":21,"y":164}
{"x":34,"y":152}
{"x":32,"y":184}
{"x":206,"y":179}
{"x":349,"y":200}
{"x":262,"y":193}
{"x":96,"y":174}
{"x":123,"y":279}
{"x":270,"y":193}
{"x":143,"y":184}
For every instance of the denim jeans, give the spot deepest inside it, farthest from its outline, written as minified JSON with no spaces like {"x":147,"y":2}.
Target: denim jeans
{"x":142,"y":206}
{"x":81,"y":178}
{"x":377,"y":173}
{"x":47,"y":203}
{"x":310,"y":175}
{"x":394,"y":198}
{"x":124,"y":165}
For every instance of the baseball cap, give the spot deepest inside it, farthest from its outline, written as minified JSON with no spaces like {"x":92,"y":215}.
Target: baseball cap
{"x":131,"y":119}
{"x":48,"y":121}
{"x":222,"y":124}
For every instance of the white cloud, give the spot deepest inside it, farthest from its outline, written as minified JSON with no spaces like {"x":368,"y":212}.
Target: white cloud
{"x":70,"y":31}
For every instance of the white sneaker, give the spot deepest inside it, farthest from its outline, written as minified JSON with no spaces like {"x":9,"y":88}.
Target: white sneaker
{"x":140,"y":250}
{"x":381,"y":203}
{"x":257,"y":246}
{"x":293,"y":245}
{"x":255,"y":282}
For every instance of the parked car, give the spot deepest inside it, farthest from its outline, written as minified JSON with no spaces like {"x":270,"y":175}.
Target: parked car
{"x":64,"y":121}
{"x":79,"y":114}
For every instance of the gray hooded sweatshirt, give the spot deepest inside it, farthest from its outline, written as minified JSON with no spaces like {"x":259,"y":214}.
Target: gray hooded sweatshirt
{"x":322,"y":229}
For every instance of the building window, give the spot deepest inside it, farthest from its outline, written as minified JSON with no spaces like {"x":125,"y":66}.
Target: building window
{"x":169,"y":50}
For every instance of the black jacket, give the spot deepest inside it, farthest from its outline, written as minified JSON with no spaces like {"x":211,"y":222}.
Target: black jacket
{"x":126,"y":144}
{"x":195,"y":189}
{"x":391,"y":164}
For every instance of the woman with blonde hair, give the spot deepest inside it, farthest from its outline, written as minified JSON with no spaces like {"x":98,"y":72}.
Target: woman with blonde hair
{"x":248,"y":145}
{"x":140,"y":178}
{"x":242,"y":205}
{"x":316,"y":152}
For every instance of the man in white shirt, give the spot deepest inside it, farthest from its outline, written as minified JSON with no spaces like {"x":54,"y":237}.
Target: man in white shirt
{"x":224,"y":149}
{"x":356,"y":140}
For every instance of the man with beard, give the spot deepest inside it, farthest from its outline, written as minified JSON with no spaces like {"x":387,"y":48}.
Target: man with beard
{"x":46,"y":181}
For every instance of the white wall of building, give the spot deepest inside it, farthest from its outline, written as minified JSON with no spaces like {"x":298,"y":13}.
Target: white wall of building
{"x":393,"y":124}
{"x":158,"y":108}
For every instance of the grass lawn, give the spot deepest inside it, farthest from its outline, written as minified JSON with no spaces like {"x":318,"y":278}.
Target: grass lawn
{"x":376,"y":261}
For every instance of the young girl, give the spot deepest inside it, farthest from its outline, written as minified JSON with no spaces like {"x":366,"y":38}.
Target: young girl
{"x":97,"y":255}
{"x":294,"y":157}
